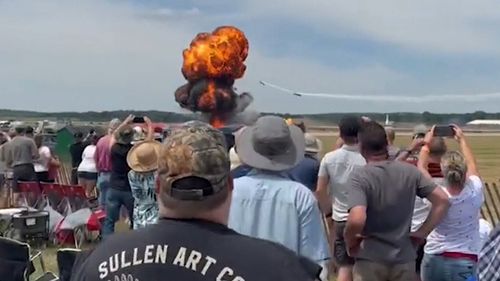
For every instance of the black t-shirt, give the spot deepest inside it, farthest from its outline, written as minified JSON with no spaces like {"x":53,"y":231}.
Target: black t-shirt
{"x":119,"y":167}
{"x":76,"y":151}
{"x":192,"y":250}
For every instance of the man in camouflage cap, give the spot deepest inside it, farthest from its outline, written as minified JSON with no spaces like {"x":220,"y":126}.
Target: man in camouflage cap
{"x":191,"y":241}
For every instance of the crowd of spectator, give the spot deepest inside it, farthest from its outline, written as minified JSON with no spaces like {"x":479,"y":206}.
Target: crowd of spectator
{"x":269,"y":207}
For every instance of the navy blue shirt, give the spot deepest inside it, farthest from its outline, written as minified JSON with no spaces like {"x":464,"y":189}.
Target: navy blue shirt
{"x":306,"y":172}
{"x":240,"y":171}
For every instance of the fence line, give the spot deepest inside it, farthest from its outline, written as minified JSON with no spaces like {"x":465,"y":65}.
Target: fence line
{"x":491,"y":207}
{"x":64,"y":173}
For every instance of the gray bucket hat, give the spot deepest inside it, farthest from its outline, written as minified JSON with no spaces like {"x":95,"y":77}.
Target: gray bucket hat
{"x":271,"y":144}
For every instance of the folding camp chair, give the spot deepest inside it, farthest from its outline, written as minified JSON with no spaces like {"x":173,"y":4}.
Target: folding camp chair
{"x":66,"y":258}
{"x":76,"y":196}
{"x":74,"y":235}
{"x":56,"y":198}
{"x":31,"y":194}
{"x":17,"y":259}
{"x":81,"y":204}
{"x":48,"y":276}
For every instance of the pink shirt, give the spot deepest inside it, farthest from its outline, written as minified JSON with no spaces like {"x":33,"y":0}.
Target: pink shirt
{"x":102,"y":154}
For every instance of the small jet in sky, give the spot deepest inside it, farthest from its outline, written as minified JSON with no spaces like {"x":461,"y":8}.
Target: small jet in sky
{"x":389,"y":98}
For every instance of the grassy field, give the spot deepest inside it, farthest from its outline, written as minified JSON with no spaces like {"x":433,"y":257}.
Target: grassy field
{"x":486,"y":150}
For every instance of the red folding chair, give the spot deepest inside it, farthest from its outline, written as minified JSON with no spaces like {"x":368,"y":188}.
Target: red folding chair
{"x":78,"y":200}
{"x":31,"y":194}
{"x":76,"y":196}
{"x":56,"y":197}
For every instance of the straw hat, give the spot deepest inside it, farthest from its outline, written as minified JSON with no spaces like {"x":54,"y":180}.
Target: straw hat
{"x":143,"y":156}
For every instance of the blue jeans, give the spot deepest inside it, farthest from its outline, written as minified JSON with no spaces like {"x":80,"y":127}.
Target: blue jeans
{"x":103,"y":182}
{"x":116,"y":199}
{"x":439,"y":268}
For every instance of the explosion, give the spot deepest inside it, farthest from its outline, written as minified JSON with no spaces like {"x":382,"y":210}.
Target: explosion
{"x":212,"y":63}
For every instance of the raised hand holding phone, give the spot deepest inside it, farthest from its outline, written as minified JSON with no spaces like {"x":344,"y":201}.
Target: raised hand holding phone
{"x":444,"y":131}
{"x":458,"y":133}
{"x":138,"y":120}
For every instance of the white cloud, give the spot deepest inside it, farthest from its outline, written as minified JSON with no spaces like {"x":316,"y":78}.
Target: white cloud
{"x":427,"y":25}
{"x":95,"y":55}
{"x":167,"y":12}
{"x":61,"y":55}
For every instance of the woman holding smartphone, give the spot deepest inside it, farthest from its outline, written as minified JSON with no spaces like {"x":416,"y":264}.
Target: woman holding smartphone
{"x":452,"y":248}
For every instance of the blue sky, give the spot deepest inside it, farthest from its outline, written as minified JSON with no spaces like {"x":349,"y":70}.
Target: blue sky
{"x":60,"y":55}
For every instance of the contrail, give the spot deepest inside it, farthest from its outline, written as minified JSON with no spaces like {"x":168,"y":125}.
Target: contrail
{"x":388,"y":98}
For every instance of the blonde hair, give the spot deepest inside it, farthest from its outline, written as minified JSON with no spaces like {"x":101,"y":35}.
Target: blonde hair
{"x":454,"y":168}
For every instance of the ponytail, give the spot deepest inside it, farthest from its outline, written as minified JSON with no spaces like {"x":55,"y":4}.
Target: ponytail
{"x":454,"y":168}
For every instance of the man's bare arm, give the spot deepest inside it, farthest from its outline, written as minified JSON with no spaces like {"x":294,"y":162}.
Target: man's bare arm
{"x":354,"y":228}
{"x":116,"y":133}
{"x":415,"y":145}
{"x":440,"y":205}
{"x":150,"y":134}
{"x":325,"y":202}
{"x":34,"y":151}
{"x":423,"y":162}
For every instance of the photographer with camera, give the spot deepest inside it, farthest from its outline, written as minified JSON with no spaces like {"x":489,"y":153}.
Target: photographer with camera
{"x":453,"y":246}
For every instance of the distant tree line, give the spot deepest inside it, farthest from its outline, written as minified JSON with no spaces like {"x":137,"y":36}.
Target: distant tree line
{"x":93,"y":116}
{"x":327,"y":118}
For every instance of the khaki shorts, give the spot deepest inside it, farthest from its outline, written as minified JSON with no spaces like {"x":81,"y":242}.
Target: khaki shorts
{"x":340,"y":255}
{"x":371,"y":271}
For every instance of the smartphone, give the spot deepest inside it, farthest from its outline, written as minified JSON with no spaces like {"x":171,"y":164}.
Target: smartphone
{"x":444,"y":131}
{"x":138,"y":119}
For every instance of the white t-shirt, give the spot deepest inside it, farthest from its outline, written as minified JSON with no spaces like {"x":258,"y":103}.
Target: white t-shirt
{"x":338,"y":166}
{"x":234,"y":158}
{"x":42,"y":163}
{"x":459,"y":230}
{"x":88,"y":162}
{"x":422,"y":208}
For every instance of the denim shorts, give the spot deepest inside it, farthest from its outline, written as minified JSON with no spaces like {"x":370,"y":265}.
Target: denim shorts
{"x":439,"y":268}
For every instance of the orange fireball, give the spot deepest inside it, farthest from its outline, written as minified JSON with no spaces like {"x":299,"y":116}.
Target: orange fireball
{"x":211,"y":64}
{"x":220,"y":54}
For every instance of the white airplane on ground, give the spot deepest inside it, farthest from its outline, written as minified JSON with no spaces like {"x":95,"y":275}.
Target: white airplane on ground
{"x":387,"y":121}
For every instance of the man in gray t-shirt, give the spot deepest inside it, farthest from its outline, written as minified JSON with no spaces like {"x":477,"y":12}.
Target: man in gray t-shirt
{"x":381,"y":200}
{"x":19,"y":154}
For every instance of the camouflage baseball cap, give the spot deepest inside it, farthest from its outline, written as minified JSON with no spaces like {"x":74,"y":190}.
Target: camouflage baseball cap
{"x":194,"y":149}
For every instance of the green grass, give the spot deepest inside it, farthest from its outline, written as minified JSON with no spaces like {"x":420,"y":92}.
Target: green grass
{"x":486,"y":150}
